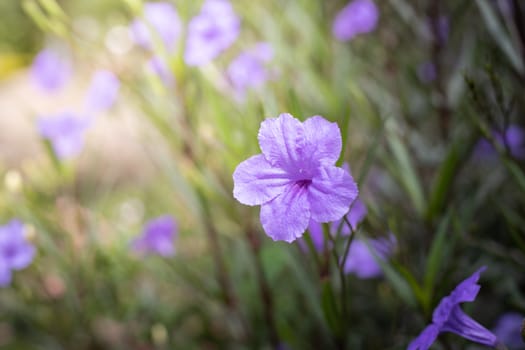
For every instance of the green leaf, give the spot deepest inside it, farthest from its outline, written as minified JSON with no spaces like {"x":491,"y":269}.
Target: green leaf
{"x":444,"y":179}
{"x":407,"y":174}
{"x":435,"y":259}
{"x":401,"y":285}
{"x":498,"y":33}
{"x":329,"y":307}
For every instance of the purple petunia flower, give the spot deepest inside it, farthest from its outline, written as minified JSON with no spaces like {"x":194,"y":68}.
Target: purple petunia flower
{"x":65,"y":131}
{"x":448,"y":317}
{"x":15,"y":252}
{"x":248,"y":70}
{"x":212,"y":31}
{"x":157,"y":237}
{"x":362,"y":261}
{"x":358,"y":17}
{"x":513,"y":137}
{"x":102,"y":92}
{"x":162,"y":18}
{"x":50,"y":70}
{"x":295,"y":178}
{"x":161,"y":69}
{"x":508,"y":330}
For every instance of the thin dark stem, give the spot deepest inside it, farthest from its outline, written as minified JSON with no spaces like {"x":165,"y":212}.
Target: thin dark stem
{"x":438,"y":44}
{"x":341,"y":341}
{"x":266,"y":294}
{"x":218,"y":257}
{"x":348,"y":243}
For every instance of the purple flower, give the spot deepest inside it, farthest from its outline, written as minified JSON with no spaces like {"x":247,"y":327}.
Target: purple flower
{"x":161,"y":69}
{"x":356,"y":214}
{"x":50,"y":70}
{"x":358,"y":17}
{"x":248,"y":69}
{"x":513,"y":137}
{"x":362,"y":261}
{"x":15,"y":252}
{"x":102,"y":92}
{"x":508,"y":330}
{"x":448,"y":317}
{"x":162,"y":18}
{"x":442,"y":24}
{"x":65,"y":131}
{"x":212,"y":31}
{"x":157,"y":237}
{"x":295,"y":179}
{"x":426,"y":72}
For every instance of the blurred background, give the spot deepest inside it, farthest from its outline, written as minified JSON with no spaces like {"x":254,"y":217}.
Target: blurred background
{"x":122,"y":121}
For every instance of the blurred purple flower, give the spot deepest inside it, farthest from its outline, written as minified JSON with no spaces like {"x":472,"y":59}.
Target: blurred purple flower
{"x":15,"y":252}
{"x":50,"y":70}
{"x":448,"y":317}
{"x":295,"y":179}
{"x":514,"y":137}
{"x":362,"y":261}
{"x":102,"y":92}
{"x":443,"y":29}
{"x":508,"y":330}
{"x":157,"y":237}
{"x":248,"y":70}
{"x":65,"y":131}
{"x":161,"y":69}
{"x":162,"y":18}
{"x":426,"y":72}
{"x":212,"y":31}
{"x":356,"y":214}
{"x":357,"y":17}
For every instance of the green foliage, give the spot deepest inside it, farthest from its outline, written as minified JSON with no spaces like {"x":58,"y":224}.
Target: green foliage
{"x":411,"y":145}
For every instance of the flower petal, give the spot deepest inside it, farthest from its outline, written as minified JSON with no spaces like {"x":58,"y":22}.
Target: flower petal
{"x":468,"y":289}
{"x":324,"y":138}
{"x":361,"y":261}
{"x":282,"y":141}
{"x":256,"y":181}
{"x":23,"y":257}
{"x":463,"y":325}
{"x":5,"y":275}
{"x":331,"y":193}
{"x":425,"y":338}
{"x":286,"y":217}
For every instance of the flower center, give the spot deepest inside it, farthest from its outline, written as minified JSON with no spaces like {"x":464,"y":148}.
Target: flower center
{"x":304,"y":183}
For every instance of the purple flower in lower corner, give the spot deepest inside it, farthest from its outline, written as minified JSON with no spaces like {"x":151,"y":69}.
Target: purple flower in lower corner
{"x":102,"y":92}
{"x":508,"y":329}
{"x":162,"y":18}
{"x":51,"y":70}
{"x":65,"y":131}
{"x":448,"y":317}
{"x":295,"y":179}
{"x":15,"y":252}
{"x":157,"y":237}
{"x":249,"y":70}
{"x":357,"y":17}
{"x":212,"y":31}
